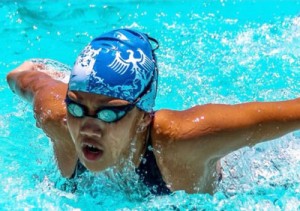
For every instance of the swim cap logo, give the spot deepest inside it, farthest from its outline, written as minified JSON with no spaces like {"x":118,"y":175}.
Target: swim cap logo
{"x":86,"y":60}
{"x":121,"y":36}
{"x":121,"y":65}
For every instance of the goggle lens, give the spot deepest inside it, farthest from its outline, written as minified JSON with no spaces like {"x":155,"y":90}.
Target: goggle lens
{"x":75,"y":110}
{"x":108,"y":114}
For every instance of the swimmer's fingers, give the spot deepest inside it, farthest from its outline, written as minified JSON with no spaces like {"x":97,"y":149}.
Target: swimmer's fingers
{"x":39,"y":67}
{"x":29,"y":66}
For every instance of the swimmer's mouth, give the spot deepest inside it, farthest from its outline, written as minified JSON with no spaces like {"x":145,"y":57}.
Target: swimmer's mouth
{"x":91,"y":152}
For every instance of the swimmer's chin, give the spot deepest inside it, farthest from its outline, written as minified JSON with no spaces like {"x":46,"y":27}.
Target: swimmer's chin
{"x":96,"y":167}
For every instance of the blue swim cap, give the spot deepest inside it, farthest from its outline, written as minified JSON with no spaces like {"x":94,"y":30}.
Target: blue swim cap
{"x":119,"y":64}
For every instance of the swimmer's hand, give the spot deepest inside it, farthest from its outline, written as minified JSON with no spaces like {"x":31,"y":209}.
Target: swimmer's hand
{"x":29,"y":66}
{"x":20,"y":78}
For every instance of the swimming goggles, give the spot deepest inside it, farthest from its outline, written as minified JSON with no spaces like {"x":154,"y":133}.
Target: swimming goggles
{"x":108,"y":114}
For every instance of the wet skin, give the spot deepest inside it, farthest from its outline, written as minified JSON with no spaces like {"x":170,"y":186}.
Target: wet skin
{"x":187,"y":144}
{"x":100,"y":145}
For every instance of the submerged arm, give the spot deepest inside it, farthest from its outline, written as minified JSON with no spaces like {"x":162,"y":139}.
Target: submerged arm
{"x":47,"y":96}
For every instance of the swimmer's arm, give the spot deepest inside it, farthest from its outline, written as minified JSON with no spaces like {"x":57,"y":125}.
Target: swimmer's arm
{"x":26,"y":81}
{"x":44,"y":93}
{"x":191,"y":142}
{"x":216,"y":129}
{"x":47,"y":96}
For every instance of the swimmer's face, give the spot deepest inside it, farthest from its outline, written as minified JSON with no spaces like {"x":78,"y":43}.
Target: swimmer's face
{"x":99,"y":144}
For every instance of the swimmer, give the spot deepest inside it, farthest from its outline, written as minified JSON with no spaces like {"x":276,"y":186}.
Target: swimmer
{"x":106,"y":109}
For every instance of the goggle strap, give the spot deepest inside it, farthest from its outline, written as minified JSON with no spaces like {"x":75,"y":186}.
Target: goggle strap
{"x":155,"y":41}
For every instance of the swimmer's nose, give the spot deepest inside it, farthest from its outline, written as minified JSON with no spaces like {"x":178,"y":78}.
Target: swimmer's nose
{"x":91,"y":128}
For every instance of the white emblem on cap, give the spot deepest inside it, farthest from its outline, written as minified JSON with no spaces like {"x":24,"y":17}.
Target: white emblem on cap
{"x":120,"y":36}
{"x":86,"y":60}
{"x":121,"y":66}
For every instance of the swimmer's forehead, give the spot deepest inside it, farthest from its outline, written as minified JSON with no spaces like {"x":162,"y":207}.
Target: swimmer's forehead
{"x":82,"y":97}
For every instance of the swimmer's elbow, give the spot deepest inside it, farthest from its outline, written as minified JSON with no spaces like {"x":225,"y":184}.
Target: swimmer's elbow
{"x":11,"y":81}
{"x":16,"y":84}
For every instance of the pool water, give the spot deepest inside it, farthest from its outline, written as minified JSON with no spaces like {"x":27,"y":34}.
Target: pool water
{"x":210,"y":51}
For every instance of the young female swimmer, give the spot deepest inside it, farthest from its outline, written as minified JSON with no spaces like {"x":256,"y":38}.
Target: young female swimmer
{"x":106,"y":108}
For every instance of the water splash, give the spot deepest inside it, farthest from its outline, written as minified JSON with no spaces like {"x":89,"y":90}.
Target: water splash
{"x":211,"y":51}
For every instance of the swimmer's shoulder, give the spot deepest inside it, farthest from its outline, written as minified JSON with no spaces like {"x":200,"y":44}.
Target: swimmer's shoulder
{"x":175,"y":125}
{"x":165,"y":124}
{"x":177,"y":142}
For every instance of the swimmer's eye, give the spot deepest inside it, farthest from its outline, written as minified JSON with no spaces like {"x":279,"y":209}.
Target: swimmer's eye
{"x":75,"y":110}
{"x":107,"y":114}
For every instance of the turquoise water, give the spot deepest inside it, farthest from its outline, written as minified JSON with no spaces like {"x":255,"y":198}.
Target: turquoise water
{"x":210,"y":51}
